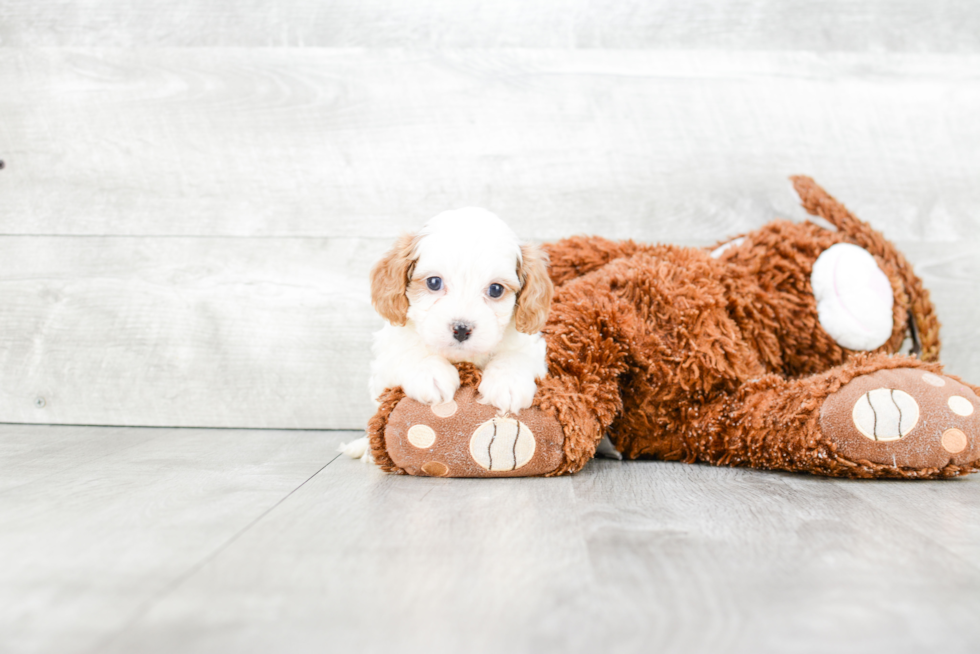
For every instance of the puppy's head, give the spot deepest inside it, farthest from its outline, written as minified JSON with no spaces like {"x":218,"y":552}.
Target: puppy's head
{"x":463,"y":280}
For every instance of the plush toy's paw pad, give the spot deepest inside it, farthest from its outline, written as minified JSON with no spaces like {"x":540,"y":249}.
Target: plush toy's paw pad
{"x":906,"y":418}
{"x":885,"y":414}
{"x":502,"y":444}
{"x":463,"y":438}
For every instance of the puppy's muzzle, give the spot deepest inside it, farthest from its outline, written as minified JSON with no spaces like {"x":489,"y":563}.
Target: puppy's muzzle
{"x":462,"y":331}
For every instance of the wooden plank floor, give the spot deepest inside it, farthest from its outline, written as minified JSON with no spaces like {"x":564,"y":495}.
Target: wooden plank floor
{"x":158,"y":540}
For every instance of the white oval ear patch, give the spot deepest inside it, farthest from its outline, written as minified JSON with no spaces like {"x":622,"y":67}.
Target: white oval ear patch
{"x":502,"y":444}
{"x":854,"y":298}
{"x":885,"y":414}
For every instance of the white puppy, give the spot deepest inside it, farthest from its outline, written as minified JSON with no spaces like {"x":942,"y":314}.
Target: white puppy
{"x":462,"y":289}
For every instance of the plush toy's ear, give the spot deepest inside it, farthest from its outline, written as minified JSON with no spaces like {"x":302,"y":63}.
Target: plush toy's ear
{"x":923,"y":325}
{"x":534,"y":298}
{"x":389,"y":280}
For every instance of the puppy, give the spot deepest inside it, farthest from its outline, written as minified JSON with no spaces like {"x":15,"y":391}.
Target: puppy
{"x":461,"y":289}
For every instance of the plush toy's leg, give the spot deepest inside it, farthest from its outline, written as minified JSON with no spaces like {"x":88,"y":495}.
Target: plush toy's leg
{"x":876,"y":416}
{"x":463,"y":438}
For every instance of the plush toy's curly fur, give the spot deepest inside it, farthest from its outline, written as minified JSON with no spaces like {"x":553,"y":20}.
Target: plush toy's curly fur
{"x":680,"y":355}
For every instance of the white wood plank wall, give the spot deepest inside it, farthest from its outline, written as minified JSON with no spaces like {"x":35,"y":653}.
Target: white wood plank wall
{"x":194,"y":192}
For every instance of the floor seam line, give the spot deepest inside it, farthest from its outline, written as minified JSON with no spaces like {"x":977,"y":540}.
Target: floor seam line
{"x":194,"y":569}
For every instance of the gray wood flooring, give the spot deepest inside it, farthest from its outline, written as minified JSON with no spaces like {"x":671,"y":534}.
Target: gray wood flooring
{"x":160,"y":540}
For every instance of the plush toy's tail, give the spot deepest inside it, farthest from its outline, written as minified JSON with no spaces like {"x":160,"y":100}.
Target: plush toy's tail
{"x":923,"y":324}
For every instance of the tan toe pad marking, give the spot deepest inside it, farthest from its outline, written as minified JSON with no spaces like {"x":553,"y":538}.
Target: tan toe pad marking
{"x":933,"y":380}
{"x":435,"y":469}
{"x":445,"y":409}
{"x":960,"y":406}
{"x":954,"y":441}
{"x":421,"y":436}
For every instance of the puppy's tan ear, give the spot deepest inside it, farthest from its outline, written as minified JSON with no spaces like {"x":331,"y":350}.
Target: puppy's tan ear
{"x":534,"y":299}
{"x":389,"y":281}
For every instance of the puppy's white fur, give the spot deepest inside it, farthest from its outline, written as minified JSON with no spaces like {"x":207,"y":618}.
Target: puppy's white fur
{"x":469,"y":251}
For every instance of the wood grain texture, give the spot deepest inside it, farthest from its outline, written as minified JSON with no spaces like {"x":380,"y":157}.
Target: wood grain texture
{"x":242,"y":541}
{"x":690,"y":558}
{"x":952,"y":276}
{"x":368,"y":562}
{"x":271,"y":333}
{"x":943,"y":515}
{"x":658,"y":146}
{"x":814,"y":25}
{"x":186,"y":332}
{"x":87,"y":548}
{"x":39,"y":454}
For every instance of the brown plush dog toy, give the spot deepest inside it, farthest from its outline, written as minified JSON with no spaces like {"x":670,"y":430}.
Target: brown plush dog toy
{"x":773,"y":350}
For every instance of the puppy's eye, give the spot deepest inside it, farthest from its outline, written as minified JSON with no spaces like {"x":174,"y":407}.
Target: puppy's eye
{"x":495,"y":290}
{"x":434,"y":283}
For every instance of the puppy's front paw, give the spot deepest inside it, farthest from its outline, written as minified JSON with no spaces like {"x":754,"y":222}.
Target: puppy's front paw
{"x":434,"y":381}
{"x":507,"y":389}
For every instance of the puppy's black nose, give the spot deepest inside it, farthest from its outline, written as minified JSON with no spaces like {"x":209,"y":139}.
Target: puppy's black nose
{"x":461,"y":331}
